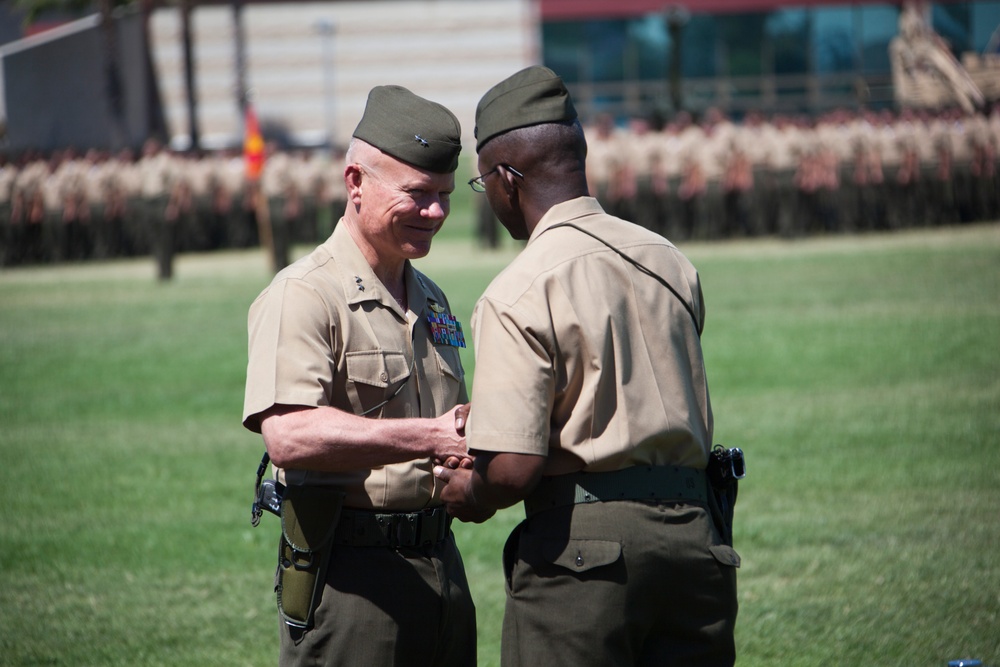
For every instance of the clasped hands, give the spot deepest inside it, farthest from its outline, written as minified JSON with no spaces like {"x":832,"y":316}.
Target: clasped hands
{"x":457,"y":473}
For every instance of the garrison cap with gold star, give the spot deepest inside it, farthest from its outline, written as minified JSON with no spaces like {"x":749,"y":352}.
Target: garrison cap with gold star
{"x":532,"y":96}
{"x":410,"y":128}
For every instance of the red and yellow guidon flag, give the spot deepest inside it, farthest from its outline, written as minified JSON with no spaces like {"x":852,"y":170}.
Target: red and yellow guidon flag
{"x":253,"y":145}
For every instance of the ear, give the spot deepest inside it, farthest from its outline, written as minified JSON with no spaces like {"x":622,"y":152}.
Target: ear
{"x":509,"y":180}
{"x":352,"y":179}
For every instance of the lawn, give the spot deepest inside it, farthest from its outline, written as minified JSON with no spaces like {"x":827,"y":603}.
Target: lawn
{"x":861,"y":375}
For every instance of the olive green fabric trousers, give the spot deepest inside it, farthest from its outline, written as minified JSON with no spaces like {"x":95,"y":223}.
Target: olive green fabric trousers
{"x":406,"y":607}
{"x":619,"y":583}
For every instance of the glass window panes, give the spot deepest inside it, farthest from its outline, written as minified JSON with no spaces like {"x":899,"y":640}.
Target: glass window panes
{"x":649,"y":47}
{"x":879,"y":24}
{"x":951,"y":21}
{"x":807,"y":58}
{"x":788,"y":33}
{"x":985,"y":20}
{"x":698,"y":44}
{"x":565,"y":52}
{"x":742,"y":36}
{"x":833,"y":39}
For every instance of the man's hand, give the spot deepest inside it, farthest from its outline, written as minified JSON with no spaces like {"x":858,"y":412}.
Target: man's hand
{"x":461,"y":413}
{"x":462,"y":416}
{"x":496,"y":480}
{"x":457,"y":494}
{"x":446,"y":437}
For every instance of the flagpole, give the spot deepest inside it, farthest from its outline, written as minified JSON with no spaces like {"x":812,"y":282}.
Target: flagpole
{"x":254,"y":155}
{"x":264,"y":226}
{"x":253,"y":142}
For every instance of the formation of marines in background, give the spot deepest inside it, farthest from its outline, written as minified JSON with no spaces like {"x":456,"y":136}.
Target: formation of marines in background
{"x":702,"y":179}
{"x":793,"y":176}
{"x":71,"y":207}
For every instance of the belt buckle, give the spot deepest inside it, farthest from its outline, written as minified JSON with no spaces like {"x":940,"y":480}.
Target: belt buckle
{"x":400,"y":530}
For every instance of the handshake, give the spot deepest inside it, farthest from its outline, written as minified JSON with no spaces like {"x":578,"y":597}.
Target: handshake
{"x":456,"y":477}
{"x":452,"y":450}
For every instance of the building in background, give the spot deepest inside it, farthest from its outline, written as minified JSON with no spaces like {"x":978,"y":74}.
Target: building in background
{"x":642,"y":57}
{"x":78,"y":84}
{"x":307,"y":65}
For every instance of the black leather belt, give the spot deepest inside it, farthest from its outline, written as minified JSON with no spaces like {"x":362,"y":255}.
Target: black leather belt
{"x":361,"y":528}
{"x":663,"y":483}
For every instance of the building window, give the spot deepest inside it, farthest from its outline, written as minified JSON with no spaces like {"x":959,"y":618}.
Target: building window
{"x":649,"y":46}
{"x":985,"y":18}
{"x":742,"y":36}
{"x":564,"y":54}
{"x":788,"y":33}
{"x":832,"y":39}
{"x":790,"y":59}
{"x":951,"y":21}
{"x":698,"y":44}
{"x":878,"y":25}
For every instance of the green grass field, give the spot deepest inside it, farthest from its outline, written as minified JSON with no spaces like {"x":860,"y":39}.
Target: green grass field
{"x":861,"y":375}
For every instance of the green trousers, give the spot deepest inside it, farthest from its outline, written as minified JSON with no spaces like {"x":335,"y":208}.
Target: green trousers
{"x":619,"y":583}
{"x":381,"y":607}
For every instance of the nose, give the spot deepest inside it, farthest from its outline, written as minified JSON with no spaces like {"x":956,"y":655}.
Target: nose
{"x":436,"y":209}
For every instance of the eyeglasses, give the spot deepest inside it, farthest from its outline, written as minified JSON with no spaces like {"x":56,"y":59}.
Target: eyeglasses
{"x":478,"y":184}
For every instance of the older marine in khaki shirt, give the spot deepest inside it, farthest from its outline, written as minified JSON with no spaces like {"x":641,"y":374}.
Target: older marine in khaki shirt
{"x":355,"y":383}
{"x":327,"y":333}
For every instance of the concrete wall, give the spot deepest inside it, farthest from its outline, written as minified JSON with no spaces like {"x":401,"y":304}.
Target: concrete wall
{"x":315,"y":85}
{"x":56,"y":88}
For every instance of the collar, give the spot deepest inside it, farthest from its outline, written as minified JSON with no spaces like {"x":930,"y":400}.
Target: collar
{"x":359,"y":281}
{"x":566,"y":211}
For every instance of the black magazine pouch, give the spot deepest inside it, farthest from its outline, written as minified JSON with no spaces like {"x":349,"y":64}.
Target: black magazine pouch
{"x":309,"y":515}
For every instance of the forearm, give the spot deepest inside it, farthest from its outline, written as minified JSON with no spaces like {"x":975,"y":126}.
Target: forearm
{"x":501,"y":480}
{"x":496,"y":481}
{"x":331,"y":440}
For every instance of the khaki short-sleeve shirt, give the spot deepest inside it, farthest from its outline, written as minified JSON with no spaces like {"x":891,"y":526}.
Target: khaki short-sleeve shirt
{"x":584,"y":359}
{"x":326,"y":332}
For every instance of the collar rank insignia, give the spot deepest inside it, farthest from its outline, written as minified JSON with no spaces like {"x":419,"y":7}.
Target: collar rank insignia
{"x":445,"y":327}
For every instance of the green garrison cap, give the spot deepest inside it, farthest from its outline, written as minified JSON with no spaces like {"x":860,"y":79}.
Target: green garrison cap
{"x":412,"y":129}
{"x":532,"y":96}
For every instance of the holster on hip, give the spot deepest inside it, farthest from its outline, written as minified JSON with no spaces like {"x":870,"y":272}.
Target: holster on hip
{"x":726,"y":467}
{"x":309,"y":515}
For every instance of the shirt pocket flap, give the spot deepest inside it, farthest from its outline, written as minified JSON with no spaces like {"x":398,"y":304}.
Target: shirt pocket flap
{"x":725,"y":555}
{"x":376,"y":368}
{"x":449,"y":361}
{"x":581,"y":555}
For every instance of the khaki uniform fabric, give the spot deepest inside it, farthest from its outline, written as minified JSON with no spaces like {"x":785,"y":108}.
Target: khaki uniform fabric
{"x":326,"y":332}
{"x":609,"y":407}
{"x":566,"y":369}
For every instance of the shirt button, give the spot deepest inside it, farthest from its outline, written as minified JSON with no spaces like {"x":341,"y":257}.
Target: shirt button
{"x":384,"y":377}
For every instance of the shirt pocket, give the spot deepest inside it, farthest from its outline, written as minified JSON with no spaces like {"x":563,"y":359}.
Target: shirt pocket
{"x":374,"y":376}
{"x":449,"y":362}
